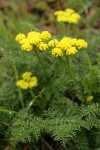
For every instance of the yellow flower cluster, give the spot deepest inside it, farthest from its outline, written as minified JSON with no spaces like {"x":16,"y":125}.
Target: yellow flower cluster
{"x":53,"y":42}
{"x":89,"y":98}
{"x":44,"y":41}
{"x":68,"y":15}
{"x":66,"y":46}
{"x":28,"y":81}
{"x":32,"y":39}
{"x":57,"y":52}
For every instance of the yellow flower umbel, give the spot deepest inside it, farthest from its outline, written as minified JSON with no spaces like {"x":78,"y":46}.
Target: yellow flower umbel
{"x":64,"y":43}
{"x":33,"y":82}
{"x":45,"y":35}
{"x":20,"y":37}
{"x":28,"y":81}
{"x":26,"y":46}
{"x":81,"y":43}
{"x":71,"y":51}
{"x":33,"y":39}
{"x":22,"y":84}
{"x":42,"y":46}
{"x":26,"y":75}
{"x":57,"y":52}
{"x":53,"y":43}
{"x":67,"y":46}
{"x":68,"y":15}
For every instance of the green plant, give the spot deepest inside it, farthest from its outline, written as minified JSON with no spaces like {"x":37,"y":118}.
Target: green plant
{"x":56,"y":114}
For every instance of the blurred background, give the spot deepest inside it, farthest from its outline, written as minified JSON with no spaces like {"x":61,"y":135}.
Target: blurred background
{"x":40,"y":13}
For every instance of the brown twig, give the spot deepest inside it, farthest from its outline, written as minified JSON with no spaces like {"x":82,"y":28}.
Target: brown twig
{"x":47,"y":144}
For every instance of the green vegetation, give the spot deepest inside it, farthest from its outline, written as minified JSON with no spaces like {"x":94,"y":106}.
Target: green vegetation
{"x":63,"y":111}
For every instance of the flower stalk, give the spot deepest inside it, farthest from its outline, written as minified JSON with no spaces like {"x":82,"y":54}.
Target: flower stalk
{"x":42,"y":65}
{"x":7,"y":111}
{"x":19,"y":90}
{"x":88,"y":61}
{"x":69,"y":67}
{"x":63,"y":66}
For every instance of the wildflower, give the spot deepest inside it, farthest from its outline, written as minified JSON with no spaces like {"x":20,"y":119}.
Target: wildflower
{"x":65,"y":39}
{"x":81,"y":43}
{"x":74,"y":18}
{"x":74,"y":41}
{"x":33,"y":82}
{"x":34,"y":40}
{"x":33,"y":34}
{"x":67,"y":46}
{"x":69,"y":11}
{"x":22,"y":84}
{"x":62,"y":18}
{"x":34,"y":37}
{"x":26,"y":47}
{"x":26,"y":75}
{"x":64,"y":43}
{"x":28,"y":81}
{"x":57,"y":52}
{"x":19,"y":37}
{"x":53,"y":43}
{"x":23,"y":41}
{"x":59,"y":12}
{"x":71,"y":51}
{"x":89,"y":98}
{"x":45,"y":35}
{"x":68,"y":15}
{"x":42,"y":46}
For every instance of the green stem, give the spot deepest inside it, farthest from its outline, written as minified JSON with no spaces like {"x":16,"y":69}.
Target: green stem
{"x":63,"y":66}
{"x":7,"y":111}
{"x":64,"y":29}
{"x":20,"y":92}
{"x":69,"y":67}
{"x":44,"y":69}
{"x":89,"y":62}
{"x":32,"y":94}
{"x":34,"y":97}
{"x":74,"y":29}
